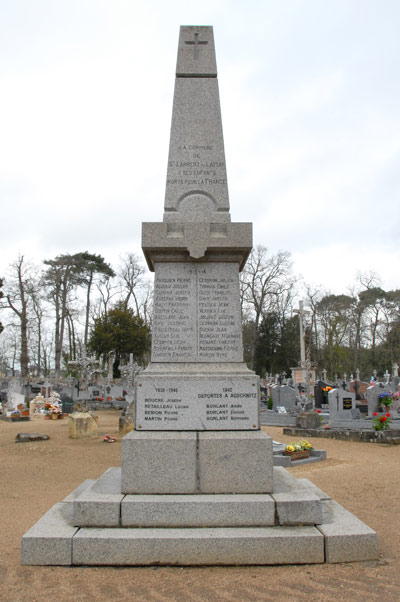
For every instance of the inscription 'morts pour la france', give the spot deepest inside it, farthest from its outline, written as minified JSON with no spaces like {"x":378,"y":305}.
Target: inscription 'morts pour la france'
{"x":196,"y":314}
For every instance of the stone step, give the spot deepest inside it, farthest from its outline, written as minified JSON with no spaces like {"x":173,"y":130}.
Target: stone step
{"x":218,"y":510}
{"x":99,"y":505}
{"x":219,"y":546}
{"x":49,"y":541}
{"x":343,"y":537}
{"x":296,"y":503}
{"x":347,"y":538}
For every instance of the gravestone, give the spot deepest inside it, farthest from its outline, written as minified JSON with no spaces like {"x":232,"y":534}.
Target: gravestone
{"x":373,"y":393}
{"x":67,"y":404}
{"x":340,"y":404}
{"x":283,"y":396}
{"x":321,"y":396}
{"x":359,"y":387}
{"x":342,"y":409}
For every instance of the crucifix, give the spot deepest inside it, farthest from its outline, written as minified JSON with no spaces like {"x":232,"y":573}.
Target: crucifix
{"x":302,"y":313}
{"x":196,"y":43}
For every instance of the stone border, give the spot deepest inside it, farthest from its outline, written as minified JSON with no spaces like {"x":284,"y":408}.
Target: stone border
{"x":390,"y":437}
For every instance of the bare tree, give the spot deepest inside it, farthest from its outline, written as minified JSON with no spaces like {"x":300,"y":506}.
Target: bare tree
{"x":264,"y":280}
{"x":130,"y":276}
{"x":19,"y":290}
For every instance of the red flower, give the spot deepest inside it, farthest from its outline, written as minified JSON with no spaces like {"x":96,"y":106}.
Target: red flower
{"x":375,"y":414}
{"x":383,"y":418}
{"x":388,"y":414}
{"x":319,"y":411}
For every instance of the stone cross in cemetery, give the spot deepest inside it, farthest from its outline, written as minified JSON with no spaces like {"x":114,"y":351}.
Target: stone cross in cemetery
{"x":395,"y":369}
{"x":302,"y":313}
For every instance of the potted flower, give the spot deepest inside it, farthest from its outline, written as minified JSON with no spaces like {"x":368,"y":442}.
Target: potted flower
{"x":385,"y":400}
{"x":298,"y":450}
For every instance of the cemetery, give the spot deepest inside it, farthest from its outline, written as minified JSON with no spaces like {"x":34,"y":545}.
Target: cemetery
{"x":213,"y":470}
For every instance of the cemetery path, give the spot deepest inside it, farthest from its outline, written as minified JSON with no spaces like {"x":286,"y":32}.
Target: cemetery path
{"x":363,"y":477}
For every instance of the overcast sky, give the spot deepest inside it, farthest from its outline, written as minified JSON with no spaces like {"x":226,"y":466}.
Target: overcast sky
{"x":310,"y":108}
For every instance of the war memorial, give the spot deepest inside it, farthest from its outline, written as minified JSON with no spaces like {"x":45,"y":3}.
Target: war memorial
{"x":197,"y":485}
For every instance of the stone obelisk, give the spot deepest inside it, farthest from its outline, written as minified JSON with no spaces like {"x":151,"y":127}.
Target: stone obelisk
{"x":197,"y":379}
{"x":197,"y":398}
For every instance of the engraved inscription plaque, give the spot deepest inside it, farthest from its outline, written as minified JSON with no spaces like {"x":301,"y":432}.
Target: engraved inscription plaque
{"x":177,"y":404}
{"x":196,"y":313}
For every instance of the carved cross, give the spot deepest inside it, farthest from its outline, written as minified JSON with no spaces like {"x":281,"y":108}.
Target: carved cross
{"x":196,"y":43}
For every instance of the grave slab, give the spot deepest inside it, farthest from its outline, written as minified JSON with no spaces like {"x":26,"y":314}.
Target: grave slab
{"x":219,"y":546}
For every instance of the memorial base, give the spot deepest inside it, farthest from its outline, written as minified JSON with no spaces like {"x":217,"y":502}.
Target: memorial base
{"x":295,"y":523}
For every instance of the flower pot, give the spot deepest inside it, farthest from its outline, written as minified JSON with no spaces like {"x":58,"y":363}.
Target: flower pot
{"x":297,"y":455}
{"x":54,"y":416}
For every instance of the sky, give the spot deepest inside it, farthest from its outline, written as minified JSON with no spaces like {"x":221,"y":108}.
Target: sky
{"x":310,"y":100}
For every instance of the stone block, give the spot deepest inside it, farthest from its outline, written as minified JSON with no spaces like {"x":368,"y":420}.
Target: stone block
{"x":158,"y":462}
{"x":308,"y":420}
{"x":215,"y":546}
{"x":81,"y":425}
{"x":49,"y":541}
{"x":347,"y":539}
{"x":296,"y":504}
{"x":235,"y":462}
{"x":194,"y":40}
{"x":220,"y":510}
{"x":99,"y":505}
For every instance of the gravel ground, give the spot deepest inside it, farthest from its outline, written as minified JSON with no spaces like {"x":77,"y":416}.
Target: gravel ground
{"x":363,"y":477}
